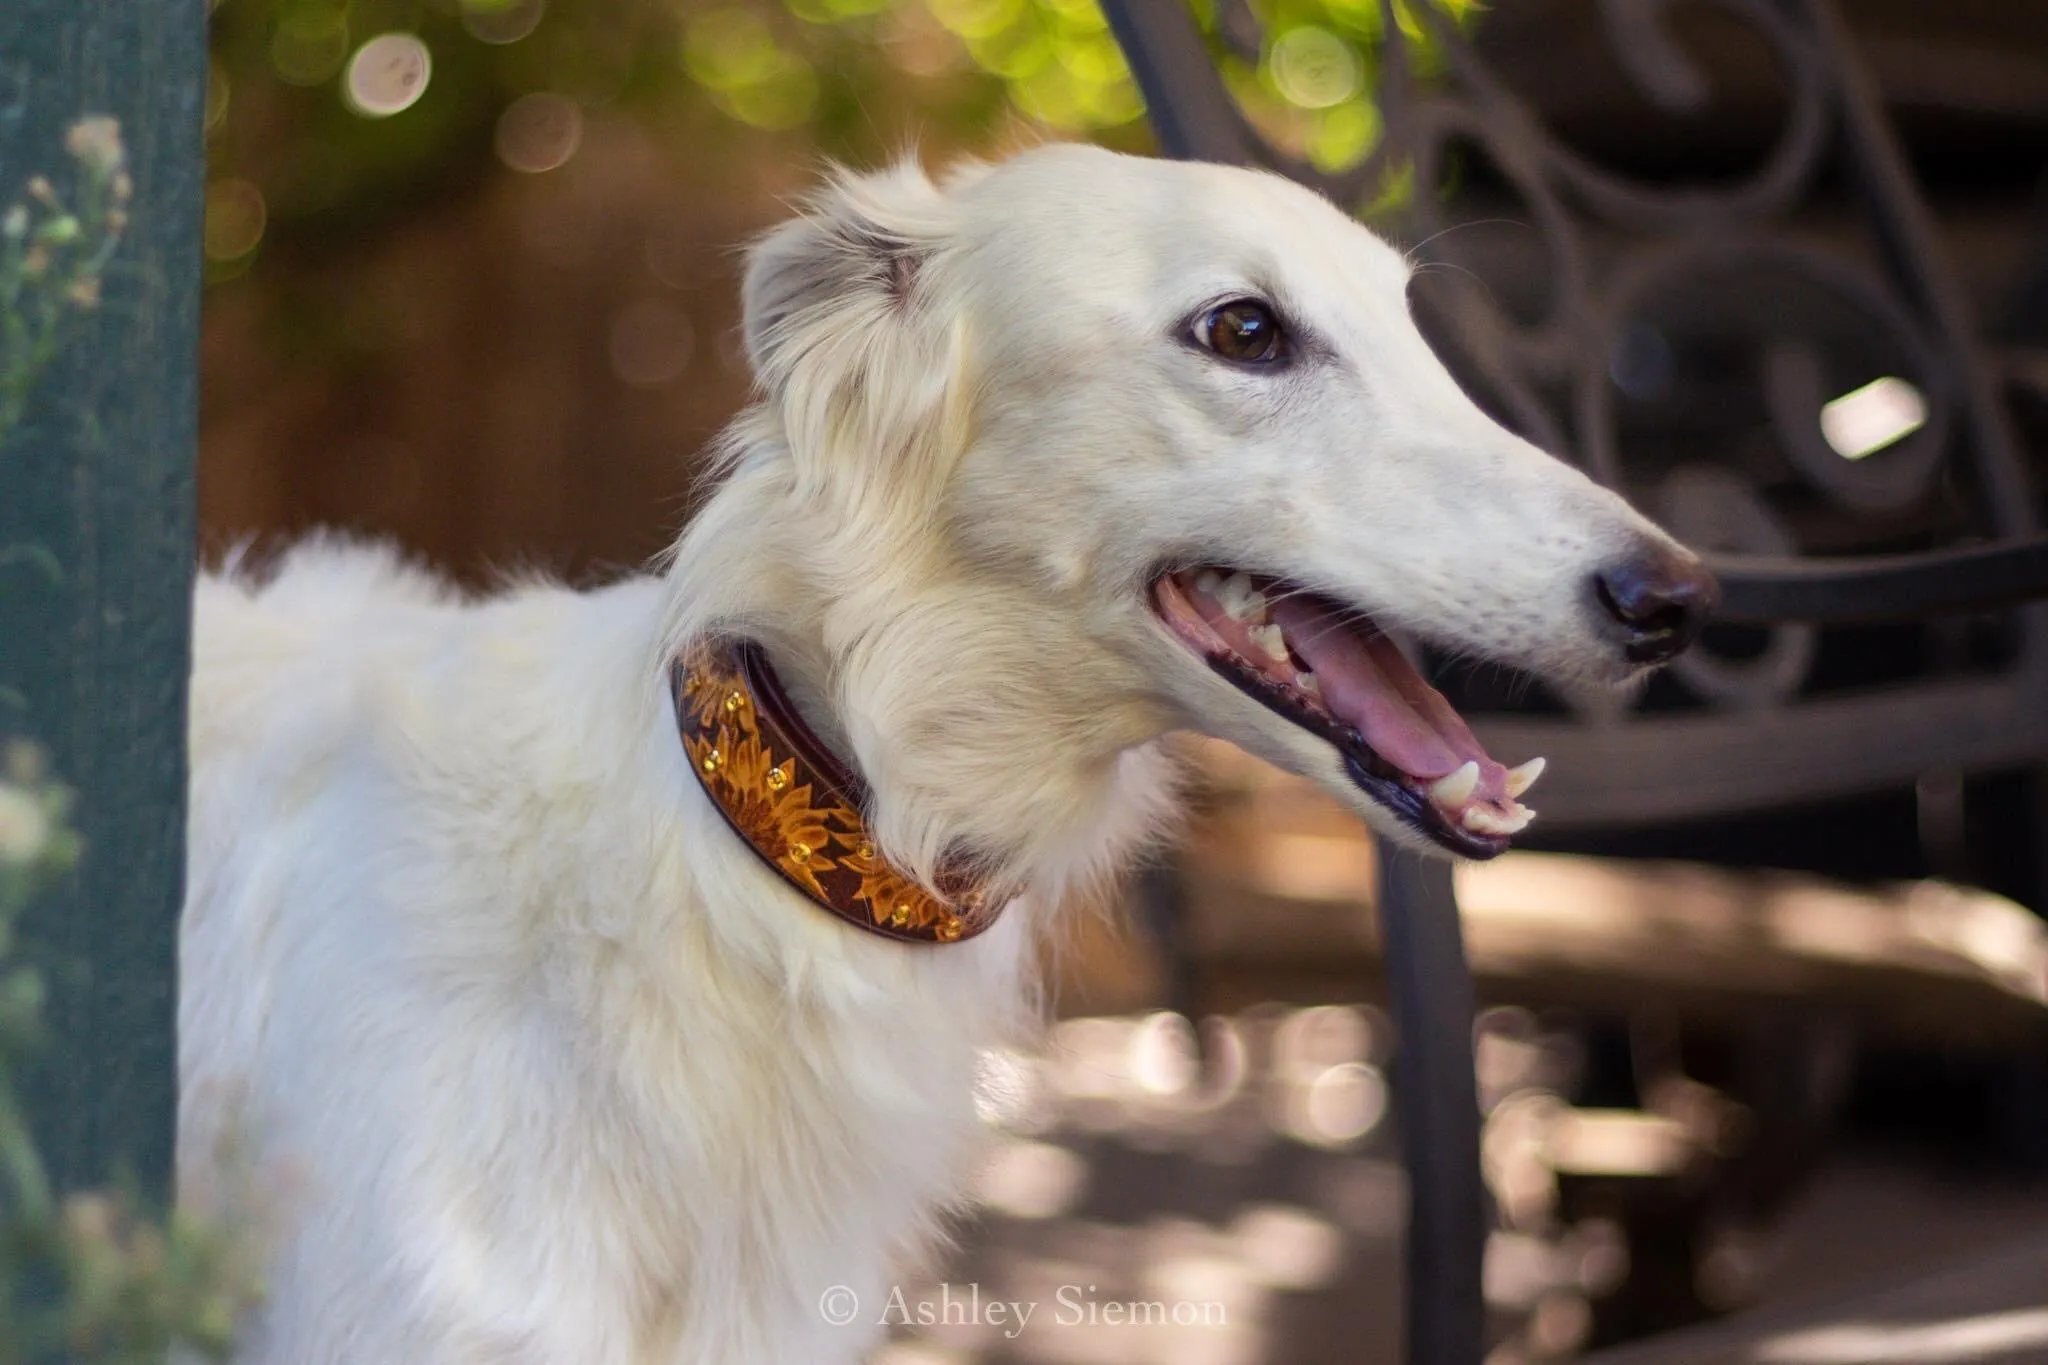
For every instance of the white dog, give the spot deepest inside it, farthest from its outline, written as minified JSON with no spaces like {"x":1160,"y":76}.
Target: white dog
{"x":1050,"y":459}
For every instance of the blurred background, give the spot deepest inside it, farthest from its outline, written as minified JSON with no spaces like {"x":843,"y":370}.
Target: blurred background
{"x":471,"y":286}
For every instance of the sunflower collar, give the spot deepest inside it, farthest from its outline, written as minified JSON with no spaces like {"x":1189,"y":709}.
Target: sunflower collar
{"x":797,"y":805}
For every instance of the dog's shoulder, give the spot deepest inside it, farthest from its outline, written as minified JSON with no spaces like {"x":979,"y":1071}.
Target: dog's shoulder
{"x":321,"y":582}
{"x":287,"y":637}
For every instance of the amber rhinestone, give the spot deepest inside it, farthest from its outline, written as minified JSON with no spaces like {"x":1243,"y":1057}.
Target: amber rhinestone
{"x":865,"y":851}
{"x":735,"y":700}
{"x":799,"y":851}
{"x":948,"y":929}
{"x":777,"y":779}
{"x":712,"y":761}
{"x":900,"y":916}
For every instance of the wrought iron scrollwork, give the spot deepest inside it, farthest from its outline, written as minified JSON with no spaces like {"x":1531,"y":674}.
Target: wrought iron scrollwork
{"x":1686,"y":352}
{"x":1685,"y":349}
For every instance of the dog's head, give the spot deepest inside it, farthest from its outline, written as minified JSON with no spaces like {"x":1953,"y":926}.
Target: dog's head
{"x":1094,"y":446}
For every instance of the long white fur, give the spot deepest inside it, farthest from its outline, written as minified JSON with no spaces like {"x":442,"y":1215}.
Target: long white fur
{"x":557,"y":1071}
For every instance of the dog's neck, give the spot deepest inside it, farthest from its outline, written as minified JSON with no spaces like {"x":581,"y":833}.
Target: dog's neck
{"x":871,"y":630}
{"x":799,"y":807}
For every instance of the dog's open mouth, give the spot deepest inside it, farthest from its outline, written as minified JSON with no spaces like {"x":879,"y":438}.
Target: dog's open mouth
{"x":1337,"y":675}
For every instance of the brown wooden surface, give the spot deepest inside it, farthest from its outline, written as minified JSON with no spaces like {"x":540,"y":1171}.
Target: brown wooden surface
{"x":1280,"y":883}
{"x":1989,"y":1308}
{"x":519,"y":381}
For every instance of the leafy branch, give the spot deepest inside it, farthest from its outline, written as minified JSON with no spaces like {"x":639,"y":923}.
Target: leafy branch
{"x":127,"y":1288}
{"x":53,"y":256}
{"x":84,"y":1276}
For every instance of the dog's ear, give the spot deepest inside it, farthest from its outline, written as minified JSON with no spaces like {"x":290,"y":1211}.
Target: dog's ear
{"x":858,"y":245}
{"x":841,"y":325}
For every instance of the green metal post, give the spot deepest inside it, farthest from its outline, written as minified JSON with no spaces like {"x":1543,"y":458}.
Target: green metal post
{"x":97,"y":478}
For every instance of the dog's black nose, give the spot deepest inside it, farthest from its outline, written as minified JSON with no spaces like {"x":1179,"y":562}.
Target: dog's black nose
{"x":1661,"y":599}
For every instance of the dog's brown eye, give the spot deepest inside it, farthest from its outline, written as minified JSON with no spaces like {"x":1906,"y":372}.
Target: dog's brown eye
{"x":1245,"y":331}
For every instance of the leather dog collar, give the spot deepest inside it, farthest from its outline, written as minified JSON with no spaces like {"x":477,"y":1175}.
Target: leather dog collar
{"x":797,"y":805}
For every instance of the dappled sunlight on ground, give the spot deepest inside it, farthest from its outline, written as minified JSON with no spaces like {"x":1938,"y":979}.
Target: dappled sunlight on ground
{"x":1143,"y":1199}
{"x":1138,"y":1203}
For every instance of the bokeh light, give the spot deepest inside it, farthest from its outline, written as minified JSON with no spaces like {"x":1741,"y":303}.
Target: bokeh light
{"x":1288,"y":1248}
{"x":1162,"y":1054}
{"x":854,"y":80}
{"x":1314,"y":68}
{"x":502,"y":21}
{"x":734,"y":55}
{"x":235,"y":218}
{"x":217,"y":94}
{"x":1026,"y":1179}
{"x":310,"y":44}
{"x":538,"y":132}
{"x":388,"y":75}
{"x":1338,"y":1107}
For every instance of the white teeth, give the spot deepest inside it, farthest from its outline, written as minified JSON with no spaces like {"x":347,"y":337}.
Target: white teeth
{"x":1240,"y":600}
{"x":1209,"y":581}
{"x":1483,"y":820}
{"x":1454,"y":789}
{"x":1307,"y":683}
{"x":1270,"y":639}
{"x":1522,"y":778}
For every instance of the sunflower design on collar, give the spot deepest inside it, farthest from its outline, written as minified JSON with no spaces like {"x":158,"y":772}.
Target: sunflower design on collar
{"x":795,"y":804}
{"x":892,"y":898}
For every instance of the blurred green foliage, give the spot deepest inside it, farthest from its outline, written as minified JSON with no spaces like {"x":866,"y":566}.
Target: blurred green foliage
{"x":85,"y":1277}
{"x":56,"y":239}
{"x":294,"y":146}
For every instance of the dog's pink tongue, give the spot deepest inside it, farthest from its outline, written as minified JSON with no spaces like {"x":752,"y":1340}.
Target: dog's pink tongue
{"x":1368,"y":684}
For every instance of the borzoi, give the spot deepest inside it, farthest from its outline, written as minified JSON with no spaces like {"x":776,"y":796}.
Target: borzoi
{"x":518,"y":928}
